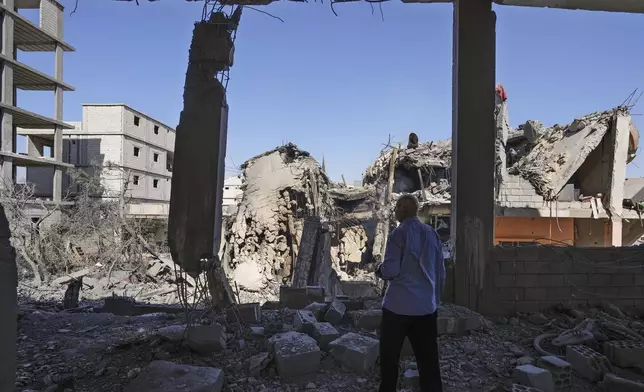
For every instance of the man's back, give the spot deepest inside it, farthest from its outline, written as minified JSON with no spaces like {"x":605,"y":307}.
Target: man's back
{"x":415,"y":269}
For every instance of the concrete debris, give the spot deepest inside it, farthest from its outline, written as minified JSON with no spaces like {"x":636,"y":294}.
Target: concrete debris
{"x":559,"y":151}
{"x":167,"y":376}
{"x":587,"y":362}
{"x":356,"y":352}
{"x":335,"y":314}
{"x":281,"y":187}
{"x":614,"y":383}
{"x":206,"y":339}
{"x":92,"y":351}
{"x":296,"y":355}
{"x":258,"y":363}
{"x":324,"y":334}
{"x":534,"y":377}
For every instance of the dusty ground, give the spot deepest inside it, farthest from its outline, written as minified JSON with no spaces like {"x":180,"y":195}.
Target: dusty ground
{"x":94,"y":352}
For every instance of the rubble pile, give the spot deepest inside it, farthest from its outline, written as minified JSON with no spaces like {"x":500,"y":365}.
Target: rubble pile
{"x":320,"y":344}
{"x":428,"y":162}
{"x":281,"y":188}
{"x":557,"y":152}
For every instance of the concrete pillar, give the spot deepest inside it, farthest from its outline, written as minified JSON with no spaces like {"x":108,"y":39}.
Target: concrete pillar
{"x":620,"y":134}
{"x":8,"y":306}
{"x":6,"y":122}
{"x":57,"y":190}
{"x":473,"y":146}
{"x":8,"y":272}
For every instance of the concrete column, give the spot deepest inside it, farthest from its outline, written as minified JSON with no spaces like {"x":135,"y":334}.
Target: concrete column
{"x":8,"y":273}
{"x":6,"y":122}
{"x":58,"y":132}
{"x":620,"y":134}
{"x":473,"y":146}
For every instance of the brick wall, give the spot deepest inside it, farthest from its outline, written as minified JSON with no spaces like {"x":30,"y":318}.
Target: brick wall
{"x":534,"y":278}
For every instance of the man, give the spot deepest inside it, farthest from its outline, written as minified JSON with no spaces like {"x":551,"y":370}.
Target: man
{"x":414,"y":267}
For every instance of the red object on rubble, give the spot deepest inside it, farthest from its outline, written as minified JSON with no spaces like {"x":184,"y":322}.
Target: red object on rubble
{"x":500,"y":90}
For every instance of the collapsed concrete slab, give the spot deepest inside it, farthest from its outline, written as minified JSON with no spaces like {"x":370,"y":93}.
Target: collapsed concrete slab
{"x":169,"y":377}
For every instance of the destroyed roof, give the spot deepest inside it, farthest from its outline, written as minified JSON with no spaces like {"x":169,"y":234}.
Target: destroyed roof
{"x":426,"y":155}
{"x":290,"y":150}
{"x":561,"y":150}
{"x":343,"y":193}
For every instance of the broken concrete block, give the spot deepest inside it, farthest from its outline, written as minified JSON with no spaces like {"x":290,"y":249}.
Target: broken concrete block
{"x":282,"y":336}
{"x":206,"y":339}
{"x":613,"y":383}
{"x":590,"y":364}
{"x":167,"y":376}
{"x":367,"y":319}
{"x":173,"y":333}
{"x":303,"y":321}
{"x":532,"y":376}
{"x":296,"y":354}
{"x":318,"y":309}
{"x":561,"y":372}
{"x":335,"y":314}
{"x":625,"y":354}
{"x":258,"y":363}
{"x":356,"y":352}
{"x":523,"y":388}
{"x":411,"y":378}
{"x":324,"y":334}
{"x":248,"y":313}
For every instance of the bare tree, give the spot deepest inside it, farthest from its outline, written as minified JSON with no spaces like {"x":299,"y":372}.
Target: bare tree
{"x":91,"y":228}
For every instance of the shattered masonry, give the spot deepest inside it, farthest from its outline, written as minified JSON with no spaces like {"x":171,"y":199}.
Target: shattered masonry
{"x":281,"y":188}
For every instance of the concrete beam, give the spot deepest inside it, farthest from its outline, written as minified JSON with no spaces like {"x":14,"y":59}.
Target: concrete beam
{"x":629,"y":6}
{"x":473,"y":145}
{"x":620,"y":134}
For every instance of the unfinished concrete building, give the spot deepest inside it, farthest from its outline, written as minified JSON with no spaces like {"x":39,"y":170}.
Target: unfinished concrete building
{"x":45,"y":145}
{"x":134,"y":151}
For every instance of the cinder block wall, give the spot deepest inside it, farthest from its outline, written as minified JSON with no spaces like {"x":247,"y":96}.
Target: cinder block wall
{"x":534,"y":278}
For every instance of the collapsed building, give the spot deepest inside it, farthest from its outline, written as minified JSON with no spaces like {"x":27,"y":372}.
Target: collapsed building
{"x":559,"y":185}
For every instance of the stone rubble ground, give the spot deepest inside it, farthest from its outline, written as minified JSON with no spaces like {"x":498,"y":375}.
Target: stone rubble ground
{"x":94,"y":352}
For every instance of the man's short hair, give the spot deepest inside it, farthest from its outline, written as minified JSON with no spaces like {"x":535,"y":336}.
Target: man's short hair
{"x":409,"y":203}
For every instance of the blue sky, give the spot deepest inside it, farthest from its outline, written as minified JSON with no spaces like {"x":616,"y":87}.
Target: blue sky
{"x":338,"y":85}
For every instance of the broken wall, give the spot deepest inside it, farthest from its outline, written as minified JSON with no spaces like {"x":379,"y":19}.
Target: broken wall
{"x":281,"y":189}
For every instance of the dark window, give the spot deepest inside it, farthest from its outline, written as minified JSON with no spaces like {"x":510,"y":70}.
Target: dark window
{"x":155,"y":183}
{"x":156,"y":157}
{"x":136,"y":151}
{"x":137,"y":120}
{"x":156,"y":129}
{"x":135,"y":180}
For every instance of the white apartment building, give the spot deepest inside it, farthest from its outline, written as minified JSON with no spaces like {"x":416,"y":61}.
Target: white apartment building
{"x":135,"y":151}
{"x":232,"y":194}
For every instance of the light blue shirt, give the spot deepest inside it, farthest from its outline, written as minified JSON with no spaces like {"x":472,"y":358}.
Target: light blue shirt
{"x":415,"y":269}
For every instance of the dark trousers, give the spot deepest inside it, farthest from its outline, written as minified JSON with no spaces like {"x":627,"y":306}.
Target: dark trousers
{"x":422,"y":332}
